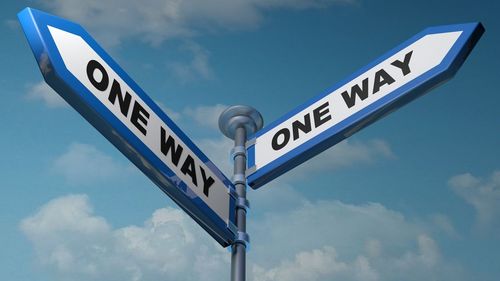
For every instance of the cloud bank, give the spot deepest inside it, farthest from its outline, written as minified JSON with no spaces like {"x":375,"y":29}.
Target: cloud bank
{"x":44,"y":93}
{"x":72,"y":243}
{"x":155,"y":21}
{"x":84,"y":164}
{"x":326,"y":240}
{"x":483,"y":195}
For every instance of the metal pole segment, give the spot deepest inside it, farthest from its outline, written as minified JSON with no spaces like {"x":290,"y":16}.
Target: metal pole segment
{"x":238,"y":266}
{"x":237,"y":122}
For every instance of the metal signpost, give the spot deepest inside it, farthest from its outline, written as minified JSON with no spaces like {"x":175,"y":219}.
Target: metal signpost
{"x":237,"y":123}
{"x":77,"y":68}
{"x":396,"y":78}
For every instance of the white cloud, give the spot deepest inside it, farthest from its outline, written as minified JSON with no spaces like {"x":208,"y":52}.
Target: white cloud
{"x":205,"y":115}
{"x":331,"y":240}
{"x":155,"y":21}
{"x":43,"y":92}
{"x":198,"y":67}
{"x":59,"y":226}
{"x":74,"y":244}
{"x":443,"y":223}
{"x":326,"y":240}
{"x":483,"y":195}
{"x":312,"y":265}
{"x":318,"y":264}
{"x":343,"y":226}
{"x":172,"y":114}
{"x":344,"y":154}
{"x":278,"y":196}
{"x":218,"y":151}
{"x":85,"y":164}
{"x":13,"y":24}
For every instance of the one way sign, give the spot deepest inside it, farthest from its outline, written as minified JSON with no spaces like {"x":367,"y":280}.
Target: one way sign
{"x":74,"y":65}
{"x":396,"y":78}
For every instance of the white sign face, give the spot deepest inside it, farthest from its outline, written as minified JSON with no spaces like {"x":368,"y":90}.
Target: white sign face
{"x":396,"y":78}
{"x":369,"y":87}
{"x":107,"y":86}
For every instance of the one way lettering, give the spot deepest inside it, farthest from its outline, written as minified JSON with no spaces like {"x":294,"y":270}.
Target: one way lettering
{"x":380,"y":79}
{"x":188,"y":166}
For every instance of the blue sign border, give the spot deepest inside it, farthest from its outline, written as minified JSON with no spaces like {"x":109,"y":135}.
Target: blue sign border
{"x":55,"y":73}
{"x":471,"y":32}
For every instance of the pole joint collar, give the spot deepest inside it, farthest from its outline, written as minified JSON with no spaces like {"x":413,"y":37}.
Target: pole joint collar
{"x":243,"y":203}
{"x":242,"y":238}
{"x":238,"y":151}
{"x":239,"y":179}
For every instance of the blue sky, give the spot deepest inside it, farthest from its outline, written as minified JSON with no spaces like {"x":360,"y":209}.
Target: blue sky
{"x":415,"y":196}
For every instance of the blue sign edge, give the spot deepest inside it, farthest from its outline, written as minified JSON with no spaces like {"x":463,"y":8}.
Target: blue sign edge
{"x":471,"y":33}
{"x":34,"y":23}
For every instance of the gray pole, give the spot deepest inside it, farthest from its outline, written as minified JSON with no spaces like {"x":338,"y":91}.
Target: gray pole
{"x":238,"y":256}
{"x":237,"y":122}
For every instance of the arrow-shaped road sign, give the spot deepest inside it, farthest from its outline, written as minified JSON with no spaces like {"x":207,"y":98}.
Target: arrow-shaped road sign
{"x":398,"y":77}
{"x":77,"y":68}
